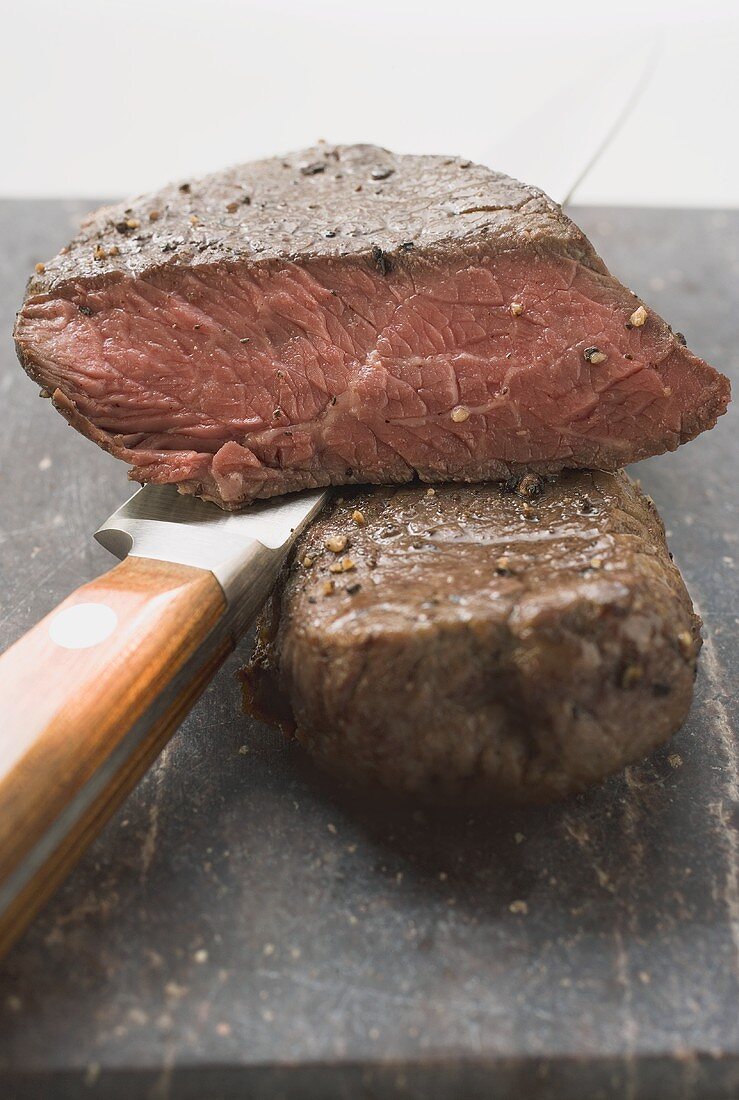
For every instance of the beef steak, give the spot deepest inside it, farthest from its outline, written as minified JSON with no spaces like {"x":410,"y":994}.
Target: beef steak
{"x":345,"y":315}
{"x":480,"y":642}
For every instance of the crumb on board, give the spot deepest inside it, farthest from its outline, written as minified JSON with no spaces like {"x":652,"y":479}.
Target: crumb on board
{"x":92,"y":1072}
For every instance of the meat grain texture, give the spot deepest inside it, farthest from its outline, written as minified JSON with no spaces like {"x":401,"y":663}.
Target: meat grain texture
{"x":343,"y":315}
{"x":480,"y":644}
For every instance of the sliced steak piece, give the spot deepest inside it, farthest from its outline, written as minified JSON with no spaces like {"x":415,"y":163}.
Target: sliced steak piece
{"x":480,"y":643}
{"x":347,"y":315}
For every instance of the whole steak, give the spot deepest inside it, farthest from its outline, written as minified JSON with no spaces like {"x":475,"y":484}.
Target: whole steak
{"x":346,"y":315}
{"x":480,"y":643}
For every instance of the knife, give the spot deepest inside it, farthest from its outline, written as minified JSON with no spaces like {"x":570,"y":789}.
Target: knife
{"x":90,"y":696}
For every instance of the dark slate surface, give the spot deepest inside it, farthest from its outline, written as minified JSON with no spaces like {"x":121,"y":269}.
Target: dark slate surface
{"x":241,"y":928}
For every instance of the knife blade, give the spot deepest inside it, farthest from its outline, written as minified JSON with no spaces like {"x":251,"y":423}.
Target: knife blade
{"x":556,"y":145}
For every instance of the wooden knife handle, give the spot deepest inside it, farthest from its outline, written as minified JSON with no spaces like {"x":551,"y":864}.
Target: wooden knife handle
{"x":88,"y":698}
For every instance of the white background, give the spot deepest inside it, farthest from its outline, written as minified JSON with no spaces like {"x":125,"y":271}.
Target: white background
{"x":104,"y":98}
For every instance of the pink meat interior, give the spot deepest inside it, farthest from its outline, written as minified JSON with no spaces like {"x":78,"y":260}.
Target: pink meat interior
{"x":249,"y":381}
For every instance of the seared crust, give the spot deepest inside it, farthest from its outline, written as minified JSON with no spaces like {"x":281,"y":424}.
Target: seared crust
{"x":330,"y":201}
{"x":485,"y":644}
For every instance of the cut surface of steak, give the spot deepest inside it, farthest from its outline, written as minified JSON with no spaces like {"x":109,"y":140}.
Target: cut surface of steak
{"x":474,"y":643}
{"x":346,"y":315}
